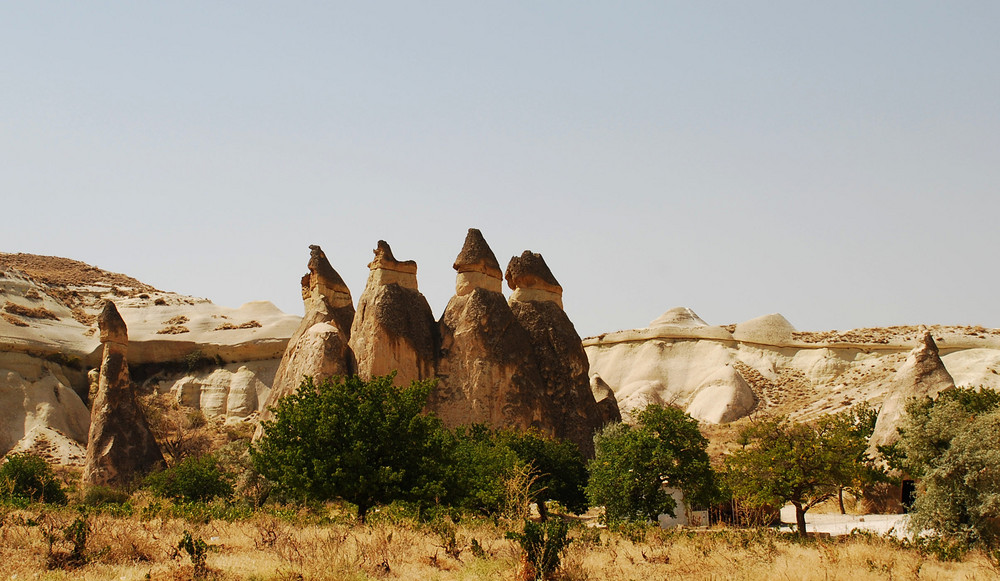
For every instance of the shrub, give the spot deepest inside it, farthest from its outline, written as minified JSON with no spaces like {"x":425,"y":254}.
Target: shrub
{"x":28,"y":476}
{"x":542,"y":544}
{"x":194,"y":479}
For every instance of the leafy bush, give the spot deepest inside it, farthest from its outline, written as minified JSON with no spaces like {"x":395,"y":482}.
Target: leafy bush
{"x":632,"y":466}
{"x":542,"y":544}
{"x":104,"y":495}
{"x":193,"y":480}
{"x":366,"y":442}
{"x":951,"y":444}
{"x":29,"y":477}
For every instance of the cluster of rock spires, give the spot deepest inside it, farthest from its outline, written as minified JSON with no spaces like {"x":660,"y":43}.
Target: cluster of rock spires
{"x":517,"y":363}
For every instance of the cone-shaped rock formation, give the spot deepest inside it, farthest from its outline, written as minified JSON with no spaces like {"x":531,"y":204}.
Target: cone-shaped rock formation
{"x":537,"y":304}
{"x":487,"y":372}
{"x":394,"y":329}
{"x":319,"y":347}
{"x":120,"y":446}
{"x":921,"y":375}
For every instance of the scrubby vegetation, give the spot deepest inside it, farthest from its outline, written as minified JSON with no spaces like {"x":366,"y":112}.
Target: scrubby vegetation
{"x":457,"y":504}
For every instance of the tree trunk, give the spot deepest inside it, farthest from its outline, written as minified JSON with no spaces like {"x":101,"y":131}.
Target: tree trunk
{"x":543,"y":511}
{"x":800,"y":518}
{"x":363,"y":512}
{"x":840,"y":499}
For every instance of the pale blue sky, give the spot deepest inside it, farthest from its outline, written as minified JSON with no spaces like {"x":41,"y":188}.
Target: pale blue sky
{"x":837,"y":162}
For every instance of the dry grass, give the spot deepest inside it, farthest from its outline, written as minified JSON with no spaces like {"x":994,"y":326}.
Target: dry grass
{"x":230,"y":326}
{"x":30,"y":312}
{"x":13,"y":320}
{"x":270,"y":547}
{"x":173,"y":330}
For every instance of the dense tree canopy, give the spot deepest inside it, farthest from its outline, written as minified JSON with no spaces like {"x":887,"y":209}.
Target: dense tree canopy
{"x":950,"y":444}
{"x":633,"y":465}
{"x":362,"y":441}
{"x":803,"y":464}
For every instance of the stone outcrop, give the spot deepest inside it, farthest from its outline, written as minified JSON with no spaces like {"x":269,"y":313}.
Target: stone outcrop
{"x":487,"y":371}
{"x":394,"y":328}
{"x":607,"y":404}
{"x":923,"y":374}
{"x":772,"y":329}
{"x":319,"y":347}
{"x":537,"y":305}
{"x":120,"y":446}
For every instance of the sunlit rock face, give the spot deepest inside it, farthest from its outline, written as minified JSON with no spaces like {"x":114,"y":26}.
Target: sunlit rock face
{"x":394,"y":329}
{"x":487,"y":372}
{"x":537,"y":305}
{"x":120,"y":446}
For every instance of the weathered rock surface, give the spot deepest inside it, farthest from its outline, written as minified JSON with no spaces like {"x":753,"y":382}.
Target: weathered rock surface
{"x":772,"y":329}
{"x":487,"y":372}
{"x":235,"y":391}
{"x":537,"y":305}
{"x":923,"y":374}
{"x":319,"y":347}
{"x":394,"y":328}
{"x":607,"y":405}
{"x":120,"y":447}
{"x":40,"y":411}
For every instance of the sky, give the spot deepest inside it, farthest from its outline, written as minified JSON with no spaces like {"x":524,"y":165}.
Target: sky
{"x":835,"y":162}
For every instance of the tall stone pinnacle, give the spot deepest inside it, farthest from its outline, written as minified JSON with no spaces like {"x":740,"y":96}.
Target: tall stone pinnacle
{"x":319,"y":347}
{"x":120,"y":446}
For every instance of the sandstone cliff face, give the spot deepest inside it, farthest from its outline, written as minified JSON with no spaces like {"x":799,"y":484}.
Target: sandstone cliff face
{"x":537,"y":305}
{"x":319,"y":347}
{"x":394,"y":328}
{"x":487,"y":372}
{"x":120,"y":447}
{"x":923,"y":374}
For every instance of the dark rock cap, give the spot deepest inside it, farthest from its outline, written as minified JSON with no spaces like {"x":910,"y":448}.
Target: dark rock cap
{"x":112,"y":325}
{"x":476,"y":255}
{"x":319,"y":264}
{"x":529,"y":270}
{"x":385,"y":259}
{"x":320,"y":267}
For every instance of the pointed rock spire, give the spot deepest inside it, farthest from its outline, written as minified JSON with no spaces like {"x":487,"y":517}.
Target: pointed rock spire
{"x":477,"y":266}
{"x":537,"y":305}
{"x":319,"y":347}
{"x":531,"y":280}
{"x":112,"y":326}
{"x":385,"y":269}
{"x":923,"y":374}
{"x":120,"y":446}
{"x":394,"y":329}
{"x":487,"y":372}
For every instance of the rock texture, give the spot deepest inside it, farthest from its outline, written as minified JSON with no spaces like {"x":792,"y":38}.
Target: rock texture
{"x":607,"y":404}
{"x":394,"y":329}
{"x":537,"y":305}
{"x":319,"y":347}
{"x":922,"y":375}
{"x":487,"y":371}
{"x":120,"y":447}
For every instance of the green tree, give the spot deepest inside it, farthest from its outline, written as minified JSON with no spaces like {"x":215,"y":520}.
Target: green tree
{"x":853,"y":428}
{"x":28,"y":476}
{"x":485,"y":457}
{"x":193,"y":479}
{"x":633,"y":466}
{"x":803,"y":464}
{"x":363,"y":441}
{"x":950,"y":443}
